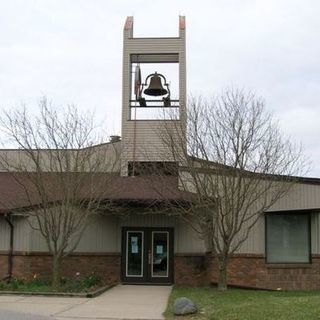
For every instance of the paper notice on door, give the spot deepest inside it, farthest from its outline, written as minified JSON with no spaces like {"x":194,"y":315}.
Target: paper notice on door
{"x":134,"y":248}
{"x":159,"y":249}
{"x":134,"y":240}
{"x":134,"y":245}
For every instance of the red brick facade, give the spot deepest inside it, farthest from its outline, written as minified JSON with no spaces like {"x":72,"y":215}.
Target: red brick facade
{"x":248,"y":270}
{"x":3,"y":266}
{"x":252,"y":271}
{"x":189,"y":269}
{"x":26,"y":265}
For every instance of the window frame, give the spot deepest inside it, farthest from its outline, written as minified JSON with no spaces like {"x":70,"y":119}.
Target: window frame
{"x":305,"y":213}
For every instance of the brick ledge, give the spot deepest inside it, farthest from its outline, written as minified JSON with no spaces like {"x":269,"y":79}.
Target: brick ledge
{"x":74,"y":254}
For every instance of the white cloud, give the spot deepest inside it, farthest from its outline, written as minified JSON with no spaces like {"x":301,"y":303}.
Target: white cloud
{"x":72,"y":50}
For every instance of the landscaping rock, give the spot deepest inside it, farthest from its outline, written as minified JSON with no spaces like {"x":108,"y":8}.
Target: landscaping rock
{"x":184,"y":306}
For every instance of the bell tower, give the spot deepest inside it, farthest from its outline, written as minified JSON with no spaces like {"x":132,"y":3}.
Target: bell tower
{"x":148,"y":96}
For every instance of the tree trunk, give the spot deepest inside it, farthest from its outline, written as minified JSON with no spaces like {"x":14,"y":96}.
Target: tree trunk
{"x":222,"y":279}
{"x":56,"y":272}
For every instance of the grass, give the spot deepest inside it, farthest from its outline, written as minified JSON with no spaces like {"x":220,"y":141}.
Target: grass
{"x":239,"y":304}
{"x":68,"y":285}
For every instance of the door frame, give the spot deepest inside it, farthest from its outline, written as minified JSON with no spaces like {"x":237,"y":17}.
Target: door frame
{"x":147,"y":245}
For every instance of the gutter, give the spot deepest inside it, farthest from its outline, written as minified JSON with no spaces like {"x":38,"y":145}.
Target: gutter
{"x":10,"y":253}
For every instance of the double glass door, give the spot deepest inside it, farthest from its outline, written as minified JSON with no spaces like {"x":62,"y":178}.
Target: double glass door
{"x":147,"y":255}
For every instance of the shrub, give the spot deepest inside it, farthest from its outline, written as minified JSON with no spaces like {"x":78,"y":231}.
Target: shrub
{"x":92,"y":280}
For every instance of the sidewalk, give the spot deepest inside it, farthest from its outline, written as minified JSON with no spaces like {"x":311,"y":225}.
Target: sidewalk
{"x":120,"y":302}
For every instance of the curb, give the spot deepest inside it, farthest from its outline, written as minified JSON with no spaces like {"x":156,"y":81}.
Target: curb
{"x":91,"y":294}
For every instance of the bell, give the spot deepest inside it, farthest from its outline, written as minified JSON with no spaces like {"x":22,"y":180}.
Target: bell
{"x":155,"y":87}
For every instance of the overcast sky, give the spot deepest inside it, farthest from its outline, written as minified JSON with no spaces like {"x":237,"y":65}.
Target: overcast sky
{"x":71,"y":51}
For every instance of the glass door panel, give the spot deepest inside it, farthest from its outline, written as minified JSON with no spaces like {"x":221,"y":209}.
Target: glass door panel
{"x":159,"y":254}
{"x":134,"y":259}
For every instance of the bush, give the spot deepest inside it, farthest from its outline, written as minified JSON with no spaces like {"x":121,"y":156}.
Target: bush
{"x":38,"y":284}
{"x":91,"y":281}
{"x":15,"y":283}
{"x":81,"y":283}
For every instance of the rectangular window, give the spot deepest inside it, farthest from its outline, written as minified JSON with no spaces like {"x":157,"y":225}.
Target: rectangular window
{"x":143,"y":168}
{"x":288,"y":238}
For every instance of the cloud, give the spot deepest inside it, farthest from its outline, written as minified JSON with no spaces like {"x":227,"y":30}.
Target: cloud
{"x":72,"y":51}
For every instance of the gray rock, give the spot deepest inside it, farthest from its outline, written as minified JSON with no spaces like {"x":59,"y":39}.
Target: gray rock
{"x":184,"y":306}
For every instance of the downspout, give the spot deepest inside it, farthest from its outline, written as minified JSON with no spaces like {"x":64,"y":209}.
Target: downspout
{"x":10,"y":253}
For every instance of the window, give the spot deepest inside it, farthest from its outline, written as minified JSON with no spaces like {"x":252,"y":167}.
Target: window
{"x":143,"y":168}
{"x":288,"y":238}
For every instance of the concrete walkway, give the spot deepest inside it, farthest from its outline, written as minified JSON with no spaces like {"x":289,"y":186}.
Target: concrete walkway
{"x":121,"y":302}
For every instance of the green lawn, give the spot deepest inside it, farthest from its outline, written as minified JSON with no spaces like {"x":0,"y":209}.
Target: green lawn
{"x":238,"y":304}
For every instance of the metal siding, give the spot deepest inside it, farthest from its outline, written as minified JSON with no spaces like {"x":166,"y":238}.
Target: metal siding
{"x":255,"y":243}
{"x":103,"y":234}
{"x":20,"y":160}
{"x":186,"y":240}
{"x":256,"y":239}
{"x":149,"y":144}
{"x":301,"y":196}
{"x":99,"y":236}
{"x":22,"y":231}
{"x":37,"y":242}
{"x":315,"y":236}
{"x":4,"y":235}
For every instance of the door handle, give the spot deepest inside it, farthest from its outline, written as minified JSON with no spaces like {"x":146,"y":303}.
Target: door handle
{"x":149,"y":257}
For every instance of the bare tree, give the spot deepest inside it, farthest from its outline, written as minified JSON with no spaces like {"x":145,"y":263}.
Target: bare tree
{"x":63,"y":171}
{"x":236,"y":163}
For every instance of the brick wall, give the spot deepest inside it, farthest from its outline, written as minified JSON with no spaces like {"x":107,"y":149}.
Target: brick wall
{"x":105,"y":265}
{"x":3,"y":266}
{"x":189,"y":269}
{"x":252,"y":271}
